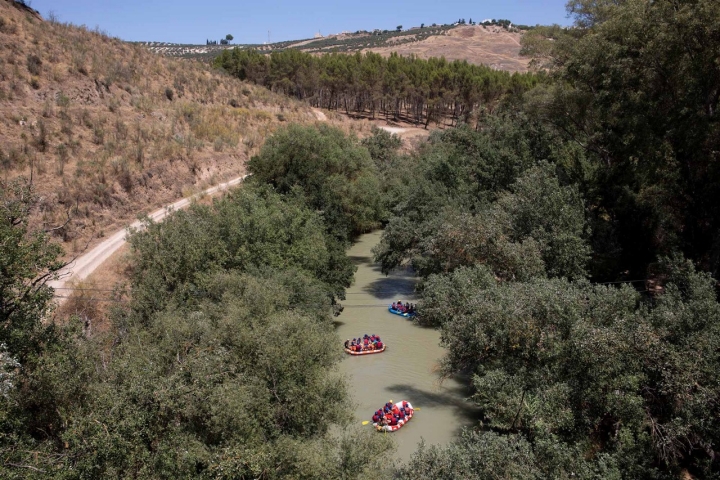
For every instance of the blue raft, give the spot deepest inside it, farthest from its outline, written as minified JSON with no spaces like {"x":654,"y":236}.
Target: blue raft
{"x":398,"y":312}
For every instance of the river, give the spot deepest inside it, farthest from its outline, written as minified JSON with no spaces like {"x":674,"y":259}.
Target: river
{"x":407,"y":370}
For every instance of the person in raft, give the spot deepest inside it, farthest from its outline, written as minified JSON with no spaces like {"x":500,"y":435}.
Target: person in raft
{"x":365,"y":343}
{"x":391,"y":414}
{"x":407,"y":308}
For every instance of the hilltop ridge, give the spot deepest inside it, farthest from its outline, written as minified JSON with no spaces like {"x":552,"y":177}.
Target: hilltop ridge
{"x":494,"y":44}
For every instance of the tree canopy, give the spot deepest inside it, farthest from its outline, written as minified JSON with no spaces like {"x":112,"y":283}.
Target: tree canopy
{"x":417,"y":90}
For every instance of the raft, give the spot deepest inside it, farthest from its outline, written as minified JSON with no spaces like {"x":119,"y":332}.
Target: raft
{"x":400,"y":424}
{"x":366,"y":352}
{"x":398,"y":312}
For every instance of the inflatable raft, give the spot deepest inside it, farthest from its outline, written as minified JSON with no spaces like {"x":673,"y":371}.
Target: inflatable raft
{"x":400,"y":424}
{"x":366,"y":352}
{"x":398,"y":312}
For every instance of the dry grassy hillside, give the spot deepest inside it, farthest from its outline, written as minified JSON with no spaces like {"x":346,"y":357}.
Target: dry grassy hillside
{"x":107,"y":129}
{"x":478,"y":44}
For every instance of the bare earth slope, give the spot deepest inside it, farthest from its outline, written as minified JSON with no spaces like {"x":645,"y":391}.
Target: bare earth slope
{"x":108,"y":130}
{"x":478,"y":44}
{"x":86,"y":264}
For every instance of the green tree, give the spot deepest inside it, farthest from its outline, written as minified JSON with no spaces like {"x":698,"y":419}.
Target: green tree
{"x":476,"y":456}
{"x":637,"y":88}
{"x":476,"y":198}
{"x":28,"y":261}
{"x":593,"y":369}
{"x":250,"y":228}
{"x":332,"y":172}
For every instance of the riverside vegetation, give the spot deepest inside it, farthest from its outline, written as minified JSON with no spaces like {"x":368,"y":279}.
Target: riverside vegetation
{"x":528,"y":230}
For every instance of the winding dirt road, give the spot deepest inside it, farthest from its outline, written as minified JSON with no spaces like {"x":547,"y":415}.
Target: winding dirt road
{"x":86,"y":264}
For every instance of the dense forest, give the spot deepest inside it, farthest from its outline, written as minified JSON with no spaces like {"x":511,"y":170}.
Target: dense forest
{"x":420,"y":91}
{"x":221,"y":362}
{"x":568,"y":245}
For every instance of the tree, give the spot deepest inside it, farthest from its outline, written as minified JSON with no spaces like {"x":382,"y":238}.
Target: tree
{"x":476,"y":456}
{"x":332,"y":172}
{"x":657,"y":176}
{"x":253,"y":227}
{"x":398,"y":28}
{"x":229,"y":37}
{"x":28,"y":261}
{"x":566,"y":365}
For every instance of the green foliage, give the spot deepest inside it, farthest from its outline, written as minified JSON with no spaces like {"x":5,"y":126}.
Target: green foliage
{"x":28,"y":260}
{"x":474,"y":199}
{"x":417,"y":90}
{"x":475,"y":456}
{"x":392,"y":168}
{"x":334,"y":174}
{"x":249,"y":229}
{"x":222,"y":366}
{"x":588,"y":368}
{"x":638,"y":89}
{"x":236,"y":386}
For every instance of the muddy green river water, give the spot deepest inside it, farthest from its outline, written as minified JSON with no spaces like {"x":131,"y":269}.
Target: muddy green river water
{"x":407,"y":370}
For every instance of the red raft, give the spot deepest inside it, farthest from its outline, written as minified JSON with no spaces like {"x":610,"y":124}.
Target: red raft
{"x":366,"y":352}
{"x":392,"y":428}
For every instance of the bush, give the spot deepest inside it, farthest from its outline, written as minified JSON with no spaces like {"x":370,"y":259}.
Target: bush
{"x":169,"y":94}
{"x":33,"y":64}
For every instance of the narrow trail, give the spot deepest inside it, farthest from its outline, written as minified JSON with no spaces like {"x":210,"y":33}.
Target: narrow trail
{"x":86,"y":264}
{"x":394,"y":130}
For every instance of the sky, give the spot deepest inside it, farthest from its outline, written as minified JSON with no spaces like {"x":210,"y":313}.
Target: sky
{"x":249,"y":21}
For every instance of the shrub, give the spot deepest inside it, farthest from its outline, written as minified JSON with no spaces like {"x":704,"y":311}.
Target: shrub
{"x":33,"y":64}
{"x":41,"y":142}
{"x":62,"y":156}
{"x":62,"y":100}
{"x":169,"y":93}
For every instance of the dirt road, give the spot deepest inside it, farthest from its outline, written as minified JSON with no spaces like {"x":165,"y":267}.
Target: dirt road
{"x":395,"y":130}
{"x":84,"y":265}
{"x":320,"y":115}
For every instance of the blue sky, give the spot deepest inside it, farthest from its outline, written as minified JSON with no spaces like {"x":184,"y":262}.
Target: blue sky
{"x":193,"y":21}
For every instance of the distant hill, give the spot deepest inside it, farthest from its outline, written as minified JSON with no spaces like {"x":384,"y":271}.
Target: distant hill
{"x":487,"y":45}
{"x":496,"y":45}
{"x":107,"y":129}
